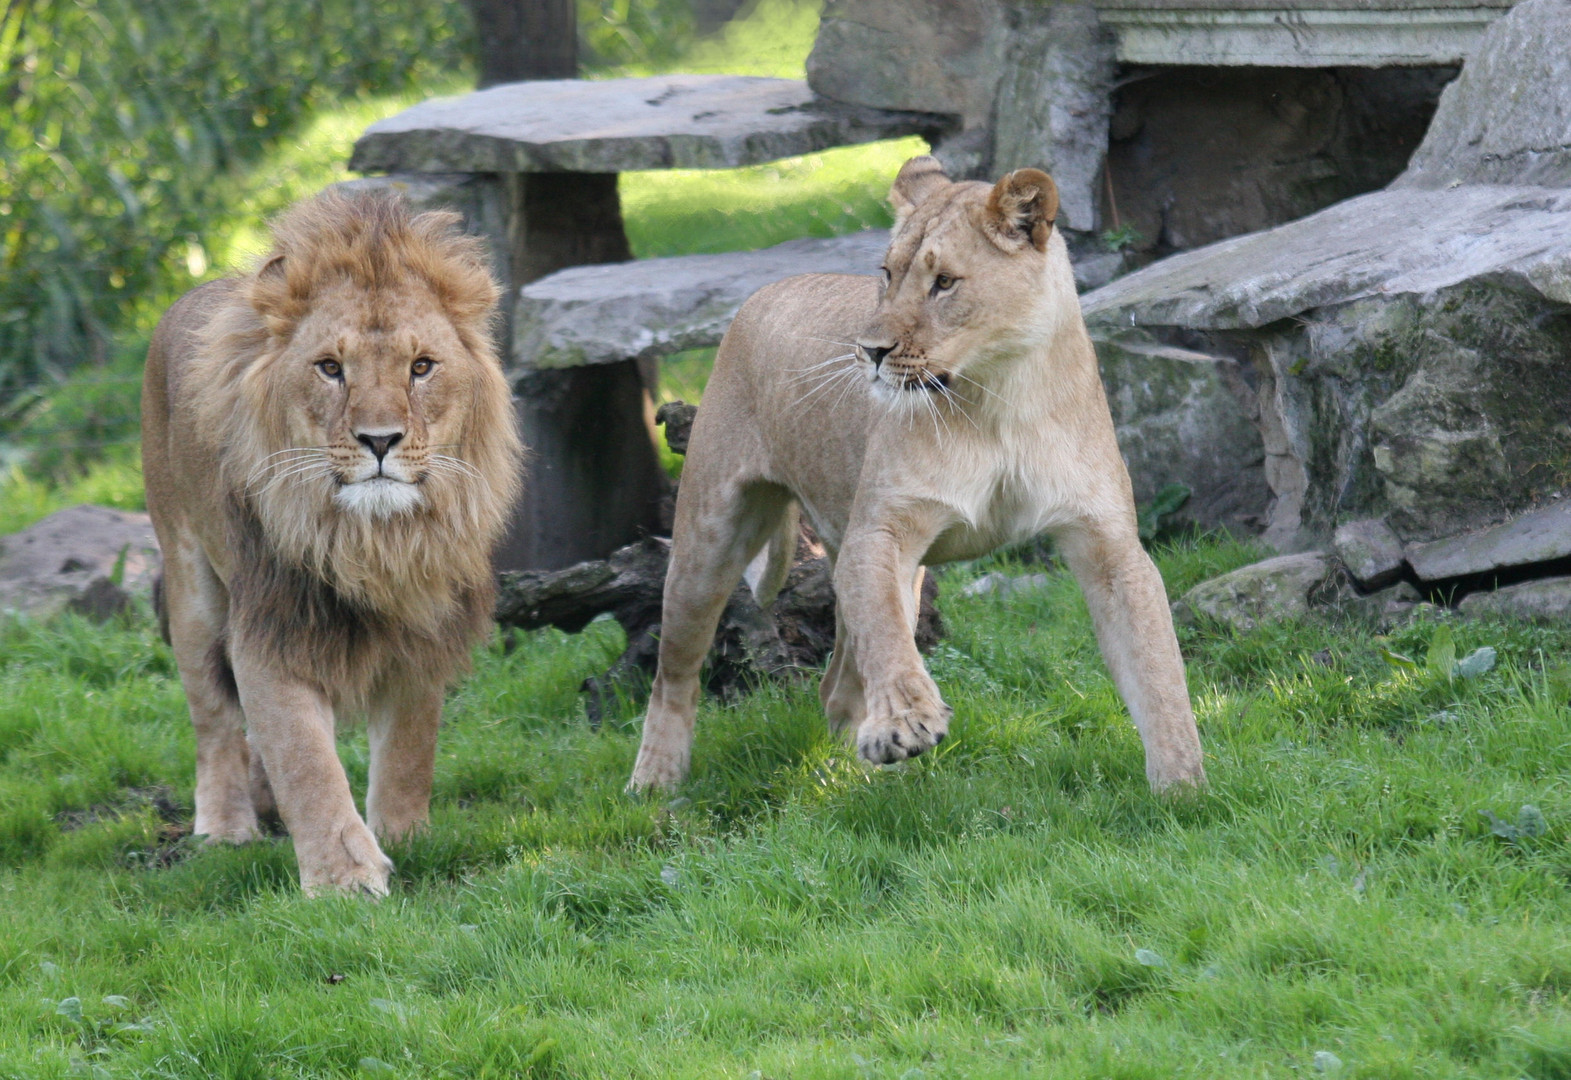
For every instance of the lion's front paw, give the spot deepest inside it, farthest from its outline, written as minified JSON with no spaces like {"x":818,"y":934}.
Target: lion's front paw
{"x":902,"y":722}
{"x":354,"y":865}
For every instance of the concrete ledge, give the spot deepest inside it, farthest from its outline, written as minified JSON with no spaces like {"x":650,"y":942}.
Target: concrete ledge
{"x":1324,"y":35}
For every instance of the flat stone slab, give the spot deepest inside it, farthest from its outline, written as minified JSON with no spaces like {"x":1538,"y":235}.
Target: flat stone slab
{"x":1382,"y":244}
{"x":1534,"y":537}
{"x":621,"y":125}
{"x":653,"y":307}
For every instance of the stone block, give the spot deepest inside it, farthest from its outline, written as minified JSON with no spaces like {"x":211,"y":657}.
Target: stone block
{"x":1547,"y":599}
{"x":1270,"y":591}
{"x":1370,"y":551}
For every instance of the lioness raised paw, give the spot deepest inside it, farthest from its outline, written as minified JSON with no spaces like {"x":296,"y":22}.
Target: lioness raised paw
{"x":902,"y":722}
{"x":357,"y":866}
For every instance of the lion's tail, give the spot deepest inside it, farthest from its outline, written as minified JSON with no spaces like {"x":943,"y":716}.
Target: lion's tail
{"x":766,"y":574}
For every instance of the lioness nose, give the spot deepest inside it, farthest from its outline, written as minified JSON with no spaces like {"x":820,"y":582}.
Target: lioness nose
{"x":876,"y":353}
{"x":379,"y":443}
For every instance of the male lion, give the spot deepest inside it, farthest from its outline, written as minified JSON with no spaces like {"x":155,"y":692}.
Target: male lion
{"x":330,"y":454}
{"x":967,"y":414}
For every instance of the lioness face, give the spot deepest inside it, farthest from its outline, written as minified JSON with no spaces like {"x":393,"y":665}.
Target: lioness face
{"x":963,"y":281}
{"x":371,"y":401}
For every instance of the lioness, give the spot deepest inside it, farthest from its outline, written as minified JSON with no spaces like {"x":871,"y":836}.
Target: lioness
{"x":330,"y":452}
{"x":950,"y":408}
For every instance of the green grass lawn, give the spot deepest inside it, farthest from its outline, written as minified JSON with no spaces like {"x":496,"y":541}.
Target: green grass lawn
{"x":1016,"y":904}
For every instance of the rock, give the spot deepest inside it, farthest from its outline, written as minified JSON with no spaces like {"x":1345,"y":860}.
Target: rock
{"x":1186,"y":417}
{"x":1547,"y":599}
{"x":920,"y":55}
{"x":1535,"y":537}
{"x":68,"y":561}
{"x":652,"y":307}
{"x":1507,"y":119}
{"x":617,"y":125}
{"x":1408,"y":347}
{"x":1370,"y":551}
{"x":1271,"y":591}
{"x":1054,"y":101}
{"x":996,"y":584}
{"x":1384,"y":608}
{"x":678,"y":417}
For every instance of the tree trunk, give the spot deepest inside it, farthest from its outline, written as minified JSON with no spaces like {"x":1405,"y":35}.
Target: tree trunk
{"x":525,"y":39}
{"x":594,"y":481}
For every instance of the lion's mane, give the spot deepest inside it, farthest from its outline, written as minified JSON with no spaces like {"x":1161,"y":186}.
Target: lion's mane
{"x":342,"y":596}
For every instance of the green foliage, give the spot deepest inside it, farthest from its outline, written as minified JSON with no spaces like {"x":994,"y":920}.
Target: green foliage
{"x":129,"y":126}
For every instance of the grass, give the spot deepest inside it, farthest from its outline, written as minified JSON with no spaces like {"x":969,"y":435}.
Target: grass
{"x":1016,"y":904}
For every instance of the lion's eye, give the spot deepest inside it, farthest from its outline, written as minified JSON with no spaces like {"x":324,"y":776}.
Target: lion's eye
{"x":422,"y":367}
{"x":885,"y":271}
{"x":330,"y":367}
{"x":943,"y":282}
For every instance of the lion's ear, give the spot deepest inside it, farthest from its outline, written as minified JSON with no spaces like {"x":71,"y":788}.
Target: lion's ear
{"x":1021,"y":209}
{"x":917,"y":179}
{"x":272,"y":298}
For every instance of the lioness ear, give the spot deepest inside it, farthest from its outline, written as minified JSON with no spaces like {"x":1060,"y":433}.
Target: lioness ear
{"x":1021,"y":208}
{"x":917,"y":179}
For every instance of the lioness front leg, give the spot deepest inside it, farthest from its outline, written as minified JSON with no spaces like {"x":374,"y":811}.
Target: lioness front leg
{"x":402,"y":729}
{"x":876,"y":603}
{"x":1134,"y":628}
{"x":291,"y":724}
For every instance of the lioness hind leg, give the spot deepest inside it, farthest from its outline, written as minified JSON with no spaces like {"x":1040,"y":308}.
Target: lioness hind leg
{"x":291,"y":725}
{"x":1134,"y":628}
{"x":194,"y":606}
{"x":402,"y":728}
{"x":717,"y":534}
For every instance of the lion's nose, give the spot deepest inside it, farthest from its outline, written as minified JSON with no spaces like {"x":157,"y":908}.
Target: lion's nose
{"x":379,"y":442}
{"x":876,"y":353}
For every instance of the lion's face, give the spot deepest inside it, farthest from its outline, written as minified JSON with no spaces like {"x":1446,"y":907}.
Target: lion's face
{"x":374,"y":411}
{"x":963,"y":280}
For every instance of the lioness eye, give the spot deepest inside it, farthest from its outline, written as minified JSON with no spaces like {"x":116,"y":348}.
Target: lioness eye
{"x":885,"y":271}
{"x":330,"y":367}
{"x":943,"y":281}
{"x":422,"y":367}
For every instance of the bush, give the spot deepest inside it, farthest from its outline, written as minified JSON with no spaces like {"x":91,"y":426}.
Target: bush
{"x":131,"y":124}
